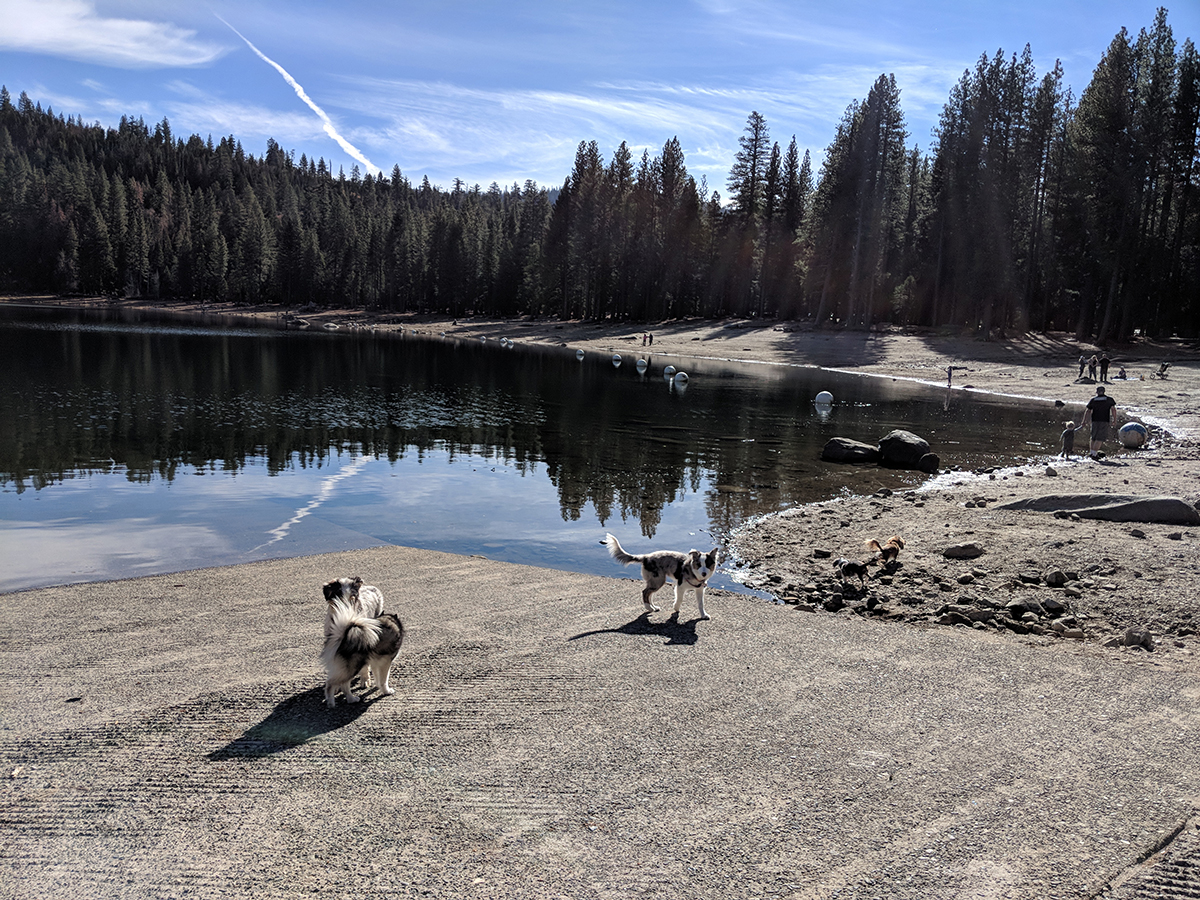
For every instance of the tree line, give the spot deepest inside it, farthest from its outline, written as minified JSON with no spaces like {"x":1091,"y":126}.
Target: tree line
{"x":1032,"y":209}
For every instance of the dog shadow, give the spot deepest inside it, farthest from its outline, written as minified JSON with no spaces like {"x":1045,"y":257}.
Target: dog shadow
{"x":293,"y":722}
{"x":676,"y":632}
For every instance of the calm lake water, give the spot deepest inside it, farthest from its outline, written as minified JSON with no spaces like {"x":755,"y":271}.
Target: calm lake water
{"x":131,"y":445}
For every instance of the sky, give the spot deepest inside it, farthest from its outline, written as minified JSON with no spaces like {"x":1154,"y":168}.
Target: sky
{"x":504,"y":92}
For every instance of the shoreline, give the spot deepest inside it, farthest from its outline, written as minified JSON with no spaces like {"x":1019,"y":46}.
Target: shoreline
{"x":1032,"y":366}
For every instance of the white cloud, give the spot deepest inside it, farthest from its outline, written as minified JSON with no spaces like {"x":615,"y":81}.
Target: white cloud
{"x":73,"y":29}
{"x":522,"y":134}
{"x":252,"y":125}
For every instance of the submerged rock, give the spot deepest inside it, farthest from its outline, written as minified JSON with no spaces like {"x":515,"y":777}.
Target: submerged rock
{"x":841,"y":449}
{"x":904,"y":449}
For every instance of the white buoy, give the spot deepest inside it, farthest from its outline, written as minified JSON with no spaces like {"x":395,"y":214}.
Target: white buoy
{"x":823,"y":399}
{"x":1132,"y":435}
{"x":641,"y":365}
{"x":579,"y":354}
{"x":616,"y":359}
{"x":669,"y":371}
{"x":681,"y":376}
{"x":330,"y":326}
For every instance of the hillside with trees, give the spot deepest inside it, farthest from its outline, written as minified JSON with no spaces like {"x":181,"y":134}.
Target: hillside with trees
{"x":1032,"y":209}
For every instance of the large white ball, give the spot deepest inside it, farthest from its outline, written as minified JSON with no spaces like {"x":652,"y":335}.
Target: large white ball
{"x":824,"y":398}
{"x":1132,"y":434}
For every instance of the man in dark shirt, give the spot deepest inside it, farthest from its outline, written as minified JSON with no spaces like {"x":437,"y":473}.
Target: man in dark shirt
{"x":1100,"y":414}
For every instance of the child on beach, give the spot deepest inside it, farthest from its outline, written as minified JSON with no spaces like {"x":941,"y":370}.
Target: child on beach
{"x":1068,"y":439}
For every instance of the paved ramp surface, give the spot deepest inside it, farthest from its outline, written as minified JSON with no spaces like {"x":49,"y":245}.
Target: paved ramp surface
{"x":165,"y":737}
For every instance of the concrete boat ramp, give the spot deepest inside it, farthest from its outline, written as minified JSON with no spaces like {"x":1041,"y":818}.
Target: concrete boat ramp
{"x":165,"y":737}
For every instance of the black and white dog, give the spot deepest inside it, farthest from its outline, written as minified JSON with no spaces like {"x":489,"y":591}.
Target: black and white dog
{"x":690,"y":571}
{"x":358,"y":643}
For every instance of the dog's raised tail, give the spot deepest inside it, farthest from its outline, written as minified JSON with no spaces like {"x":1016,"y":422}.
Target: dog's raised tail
{"x":352,"y":629}
{"x":617,"y":552}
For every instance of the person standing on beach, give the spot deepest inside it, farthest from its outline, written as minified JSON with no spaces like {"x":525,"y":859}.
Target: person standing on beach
{"x":1099,"y":413}
{"x":1082,"y":364}
{"x":1092,"y":363}
{"x":1104,"y":361}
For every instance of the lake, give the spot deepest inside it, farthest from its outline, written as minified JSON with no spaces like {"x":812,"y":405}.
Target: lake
{"x":134,"y":444}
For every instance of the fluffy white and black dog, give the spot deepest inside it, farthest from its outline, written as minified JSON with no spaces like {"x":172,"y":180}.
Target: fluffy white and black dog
{"x":364,"y":598}
{"x":358,"y":643}
{"x":690,"y":571}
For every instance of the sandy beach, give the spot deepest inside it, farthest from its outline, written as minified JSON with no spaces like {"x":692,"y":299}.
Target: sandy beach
{"x":165,"y":737}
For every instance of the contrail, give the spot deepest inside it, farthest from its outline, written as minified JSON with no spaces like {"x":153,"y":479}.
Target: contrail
{"x":328,"y":124}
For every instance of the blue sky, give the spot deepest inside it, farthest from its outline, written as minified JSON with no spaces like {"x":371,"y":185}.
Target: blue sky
{"x":504,"y":92}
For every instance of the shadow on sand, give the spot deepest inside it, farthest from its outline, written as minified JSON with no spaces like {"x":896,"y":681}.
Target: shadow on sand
{"x":291,"y":723}
{"x":672,"y":629}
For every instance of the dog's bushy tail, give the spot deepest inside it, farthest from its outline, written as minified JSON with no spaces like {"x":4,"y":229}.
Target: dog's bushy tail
{"x":351,"y":630}
{"x":617,"y":552}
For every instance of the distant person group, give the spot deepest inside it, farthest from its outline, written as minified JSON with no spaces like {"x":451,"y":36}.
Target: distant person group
{"x":1096,"y":366}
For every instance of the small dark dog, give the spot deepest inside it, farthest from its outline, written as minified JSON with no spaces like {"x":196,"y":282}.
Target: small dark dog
{"x":889,"y":551}
{"x":849,"y":568}
{"x":359,"y":642}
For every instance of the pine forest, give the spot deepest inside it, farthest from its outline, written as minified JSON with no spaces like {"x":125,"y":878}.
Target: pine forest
{"x":1032,"y":209}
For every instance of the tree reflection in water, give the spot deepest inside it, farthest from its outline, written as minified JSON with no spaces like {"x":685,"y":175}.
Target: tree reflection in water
{"x":100,"y":392}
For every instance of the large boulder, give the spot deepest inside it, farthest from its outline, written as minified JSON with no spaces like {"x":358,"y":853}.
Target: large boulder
{"x":903,"y":449}
{"x":1113,"y":507}
{"x":841,"y":449}
{"x":969,"y":550}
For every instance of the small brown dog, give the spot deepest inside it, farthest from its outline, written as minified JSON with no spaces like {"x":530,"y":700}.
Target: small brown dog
{"x":889,"y":551}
